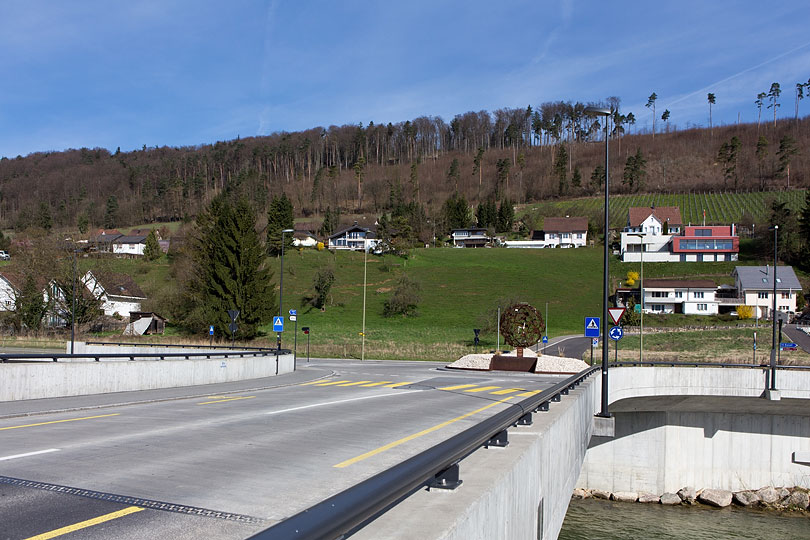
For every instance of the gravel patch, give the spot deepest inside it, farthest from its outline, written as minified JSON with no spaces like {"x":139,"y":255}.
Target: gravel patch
{"x":545,"y":363}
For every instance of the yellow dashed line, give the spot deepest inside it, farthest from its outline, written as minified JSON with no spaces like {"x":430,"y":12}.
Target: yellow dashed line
{"x":226,"y":399}
{"x":396,"y":384}
{"x":388,"y":446}
{"x":459,"y":387}
{"x":332,"y":383}
{"x":59,"y":421}
{"x":528,"y":394}
{"x":87,"y":523}
{"x":311,"y":382}
{"x":353,"y":383}
{"x":482,"y":389}
{"x":508,"y":391}
{"x":375,"y":384}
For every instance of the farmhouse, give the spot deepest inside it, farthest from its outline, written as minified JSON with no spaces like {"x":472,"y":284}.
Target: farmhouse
{"x":354,"y":237}
{"x":118,"y":293}
{"x":471,"y":237}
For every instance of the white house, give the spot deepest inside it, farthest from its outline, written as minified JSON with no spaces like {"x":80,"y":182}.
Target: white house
{"x":658,"y":225}
{"x":755,"y":288}
{"x":118,"y":293}
{"x":355,"y":238}
{"x":129,"y":245}
{"x":565,"y":232}
{"x":471,"y":237}
{"x":691,"y":297}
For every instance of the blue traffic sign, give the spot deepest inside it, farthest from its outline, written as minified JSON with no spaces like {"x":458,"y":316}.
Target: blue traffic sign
{"x":545,"y":339}
{"x":788,"y":346}
{"x":278,"y":324}
{"x":616,"y":333}
{"x":211,"y":330}
{"x":293,"y":312}
{"x":591,"y":326}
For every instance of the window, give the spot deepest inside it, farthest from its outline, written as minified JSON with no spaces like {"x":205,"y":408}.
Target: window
{"x":657,"y":307}
{"x":579,"y":236}
{"x":784,"y":308}
{"x":698,"y":295}
{"x":785,"y":296}
{"x":703,"y":307}
{"x":762,"y":295}
{"x":566,"y":235}
{"x":703,"y":232}
{"x":659,"y":294}
{"x":678,"y":294}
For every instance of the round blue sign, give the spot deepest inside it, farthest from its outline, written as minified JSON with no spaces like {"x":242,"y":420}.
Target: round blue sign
{"x":616,"y":333}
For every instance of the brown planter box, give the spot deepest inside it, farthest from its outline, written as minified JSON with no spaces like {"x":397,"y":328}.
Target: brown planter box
{"x":512,"y":363}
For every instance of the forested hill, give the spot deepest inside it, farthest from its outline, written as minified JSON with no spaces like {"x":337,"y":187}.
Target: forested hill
{"x":519,"y":154}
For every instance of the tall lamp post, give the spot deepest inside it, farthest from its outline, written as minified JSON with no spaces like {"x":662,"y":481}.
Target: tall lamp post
{"x":281,"y":285}
{"x":73,"y":306}
{"x":773,"y":310}
{"x":363,"y":333}
{"x":606,"y":112}
{"x":640,"y":236}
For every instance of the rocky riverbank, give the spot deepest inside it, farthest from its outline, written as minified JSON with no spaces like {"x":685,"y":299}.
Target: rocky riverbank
{"x":776,"y":498}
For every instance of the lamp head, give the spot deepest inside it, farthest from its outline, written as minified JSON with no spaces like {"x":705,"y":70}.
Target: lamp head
{"x":598,"y":111}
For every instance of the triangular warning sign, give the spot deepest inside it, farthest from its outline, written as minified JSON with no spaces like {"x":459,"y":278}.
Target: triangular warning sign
{"x":616,"y":314}
{"x":592,"y":325}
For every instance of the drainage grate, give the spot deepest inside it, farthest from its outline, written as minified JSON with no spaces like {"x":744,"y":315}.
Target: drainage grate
{"x":134,"y":501}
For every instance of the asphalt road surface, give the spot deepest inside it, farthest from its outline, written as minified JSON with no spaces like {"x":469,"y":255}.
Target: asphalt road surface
{"x":225,"y":461}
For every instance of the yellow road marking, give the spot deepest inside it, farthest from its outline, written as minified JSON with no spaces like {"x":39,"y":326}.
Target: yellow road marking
{"x":529,"y":394}
{"x":331,"y":383}
{"x":397,"y":384}
{"x":226,"y":399}
{"x":375,"y":384}
{"x":482,"y":389}
{"x":507,"y":391}
{"x":353,"y":383}
{"x":316,"y":381}
{"x":390,"y":445}
{"x":59,"y":421}
{"x":87,"y":523}
{"x":459,"y":387}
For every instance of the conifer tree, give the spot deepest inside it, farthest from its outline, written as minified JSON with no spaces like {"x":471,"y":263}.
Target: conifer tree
{"x":506,"y":216}
{"x":230,"y":272}
{"x":279,"y":217}
{"x":29,"y":305}
{"x":151,"y":250}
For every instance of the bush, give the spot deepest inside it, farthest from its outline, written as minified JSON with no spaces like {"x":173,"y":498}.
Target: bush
{"x":745,"y":312}
{"x":404,"y":299}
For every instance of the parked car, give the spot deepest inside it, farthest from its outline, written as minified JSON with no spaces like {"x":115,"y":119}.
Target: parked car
{"x":4,"y":256}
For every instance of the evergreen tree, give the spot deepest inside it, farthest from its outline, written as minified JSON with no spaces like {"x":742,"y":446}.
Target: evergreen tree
{"x":506,"y":216}
{"x":728,"y":157}
{"x":634,"y":171}
{"x":454,"y":173}
{"x":229,"y":272}
{"x":762,"y":154}
{"x":598,"y":177}
{"x":560,"y":170}
{"x":487,"y":214}
{"x":44,"y":220}
{"x":82,"y":222}
{"x":457,"y":212}
{"x":30,"y":305}
{"x":151,"y":250}
{"x":711,"y":98}
{"x":787,"y":149}
{"x":279,"y":217}
{"x":111,"y":215}
{"x":576,"y":179}
{"x":804,"y":234}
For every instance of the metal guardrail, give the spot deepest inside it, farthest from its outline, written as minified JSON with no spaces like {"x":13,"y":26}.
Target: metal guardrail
{"x":436,"y":467}
{"x":17,"y":358}
{"x":629,"y":363}
{"x":180,"y":346}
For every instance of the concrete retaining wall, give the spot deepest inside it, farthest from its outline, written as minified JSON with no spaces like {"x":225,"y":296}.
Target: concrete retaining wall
{"x":701,"y":427}
{"x":518,"y":492}
{"x":59,"y":379}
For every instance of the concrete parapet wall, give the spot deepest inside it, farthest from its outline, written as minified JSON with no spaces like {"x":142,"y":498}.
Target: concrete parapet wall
{"x":60,"y":379}
{"x":701,"y":427}
{"x":518,"y":492}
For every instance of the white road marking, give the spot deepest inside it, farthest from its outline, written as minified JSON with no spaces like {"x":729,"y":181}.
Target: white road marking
{"x":332,"y":403}
{"x":48,"y":451}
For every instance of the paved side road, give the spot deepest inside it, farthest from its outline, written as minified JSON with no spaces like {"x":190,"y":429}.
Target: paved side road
{"x":797,"y":336}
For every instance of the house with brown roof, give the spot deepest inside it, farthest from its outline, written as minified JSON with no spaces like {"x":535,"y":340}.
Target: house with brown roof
{"x":118,"y":293}
{"x":558,"y":232}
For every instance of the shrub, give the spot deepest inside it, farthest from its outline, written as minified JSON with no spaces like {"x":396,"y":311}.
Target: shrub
{"x":745,"y":312}
{"x":404,"y":300}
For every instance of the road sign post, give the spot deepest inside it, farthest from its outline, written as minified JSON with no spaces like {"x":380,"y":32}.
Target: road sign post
{"x":211,"y":334}
{"x":233,"y":314}
{"x":305,"y":330}
{"x":545,"y":343}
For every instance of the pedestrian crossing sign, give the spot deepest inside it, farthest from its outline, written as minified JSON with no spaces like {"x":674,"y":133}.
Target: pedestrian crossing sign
{"x":591,"y":326}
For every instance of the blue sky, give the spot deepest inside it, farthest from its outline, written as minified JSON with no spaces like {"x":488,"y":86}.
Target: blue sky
{"x":125,"y":74}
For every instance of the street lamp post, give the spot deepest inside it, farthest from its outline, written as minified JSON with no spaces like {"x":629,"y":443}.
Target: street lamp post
{"x":773,"y":310}
{"x":281,"y":285}
{"x":73,"y":307}
{"x":606,"y":112}
{"x":641,"y":294}
{"x":363,"y":333}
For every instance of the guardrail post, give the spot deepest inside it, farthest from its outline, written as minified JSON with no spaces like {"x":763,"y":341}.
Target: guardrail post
{"x":447,"y":479}
{"x":525,"y":420}
{"x":499,"y":440}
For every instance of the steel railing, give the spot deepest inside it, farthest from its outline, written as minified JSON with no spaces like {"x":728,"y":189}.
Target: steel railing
{"x":23,"y":357}
{"x":437,"y":467}
{"x":631,"y":363}
{"x":179,"y":346}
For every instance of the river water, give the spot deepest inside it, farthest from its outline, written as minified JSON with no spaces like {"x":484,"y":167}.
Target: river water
{"x":606,"y":520}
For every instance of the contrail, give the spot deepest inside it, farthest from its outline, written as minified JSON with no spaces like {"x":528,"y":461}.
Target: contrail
{"x":752,"y":68}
